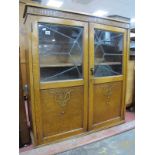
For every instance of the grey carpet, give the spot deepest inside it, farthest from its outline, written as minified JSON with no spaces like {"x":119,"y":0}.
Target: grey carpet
{"x":122,"y":144}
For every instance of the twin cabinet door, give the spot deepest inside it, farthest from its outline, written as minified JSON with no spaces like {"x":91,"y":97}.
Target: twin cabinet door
{"x":76,"y":89}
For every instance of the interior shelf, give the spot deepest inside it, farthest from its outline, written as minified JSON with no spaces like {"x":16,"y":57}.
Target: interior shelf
{"x":113,"y":54}
{"x":59,"y":65}
{"x":109,"y":63}
{"x":70,"y":64}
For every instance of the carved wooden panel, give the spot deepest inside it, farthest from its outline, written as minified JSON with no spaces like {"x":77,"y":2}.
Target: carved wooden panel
{"x":62,"y":96}
{"x":75,"y":16}
{"x":62,"y":110}
{"x":107,"y":101}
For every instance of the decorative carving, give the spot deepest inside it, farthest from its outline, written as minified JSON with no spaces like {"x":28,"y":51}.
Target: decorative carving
{"x":108,"y":93}
{"x":62,"y":96}
{"x":68,"y":15}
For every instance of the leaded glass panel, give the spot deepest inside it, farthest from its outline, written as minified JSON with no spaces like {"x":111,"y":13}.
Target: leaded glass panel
{"x":108,"y":53}
{"x":60,"y":52}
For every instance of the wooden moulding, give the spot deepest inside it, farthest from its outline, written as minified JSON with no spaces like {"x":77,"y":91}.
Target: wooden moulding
{"x":36,"y":9}
{"x":57,"y":84}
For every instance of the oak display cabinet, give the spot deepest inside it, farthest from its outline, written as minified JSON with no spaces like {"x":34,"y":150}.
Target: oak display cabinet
{"x":76,"y":72}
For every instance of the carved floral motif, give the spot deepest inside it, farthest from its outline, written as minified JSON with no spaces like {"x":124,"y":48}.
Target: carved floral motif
{"x":108,"y":93}
{"x":62,"y":96}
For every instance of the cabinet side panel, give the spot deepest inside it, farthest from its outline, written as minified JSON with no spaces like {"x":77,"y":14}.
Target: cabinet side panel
{"x":22,"y":36}
{"x":28,"y":54}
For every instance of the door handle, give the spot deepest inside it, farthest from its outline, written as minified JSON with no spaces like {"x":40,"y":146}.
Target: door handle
{"x":92,"y":71}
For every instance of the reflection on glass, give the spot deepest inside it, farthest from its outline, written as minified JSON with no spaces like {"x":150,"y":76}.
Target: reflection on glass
{"x":108,"y":54}
{"x":60,"y":52}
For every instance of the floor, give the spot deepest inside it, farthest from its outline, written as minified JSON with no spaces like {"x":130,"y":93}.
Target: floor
{"x":121,"y":144}
{"x":80,"y":141}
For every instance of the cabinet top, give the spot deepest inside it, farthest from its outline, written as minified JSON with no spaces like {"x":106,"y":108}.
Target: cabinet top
{"x":38,"y":9}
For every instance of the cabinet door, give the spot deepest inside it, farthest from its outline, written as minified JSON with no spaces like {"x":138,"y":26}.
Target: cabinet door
{"x":60,"y":72}
{"x":107,"y":72}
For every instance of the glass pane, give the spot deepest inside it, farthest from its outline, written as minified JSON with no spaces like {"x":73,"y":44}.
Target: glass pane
{"x":108,"y":52}
{"x":60,"y":52}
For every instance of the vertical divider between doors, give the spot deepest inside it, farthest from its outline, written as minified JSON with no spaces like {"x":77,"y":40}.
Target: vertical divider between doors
{"x":85,"y":66}
{"x":91,"y":65}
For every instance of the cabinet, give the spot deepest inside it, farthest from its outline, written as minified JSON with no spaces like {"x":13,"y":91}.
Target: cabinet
{"x":76,"y":72}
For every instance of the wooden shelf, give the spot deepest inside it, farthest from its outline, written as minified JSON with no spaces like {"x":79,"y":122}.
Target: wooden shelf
{"x":109,"y":63}
{"x":113,"y":54}
{"x":70,"y":64}
{"x":58,"y":65}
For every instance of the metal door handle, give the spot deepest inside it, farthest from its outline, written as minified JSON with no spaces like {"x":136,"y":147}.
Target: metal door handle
{"x":92,"y":71}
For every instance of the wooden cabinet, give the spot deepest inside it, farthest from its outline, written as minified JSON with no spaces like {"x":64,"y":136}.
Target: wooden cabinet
{"x":76,"y":71}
